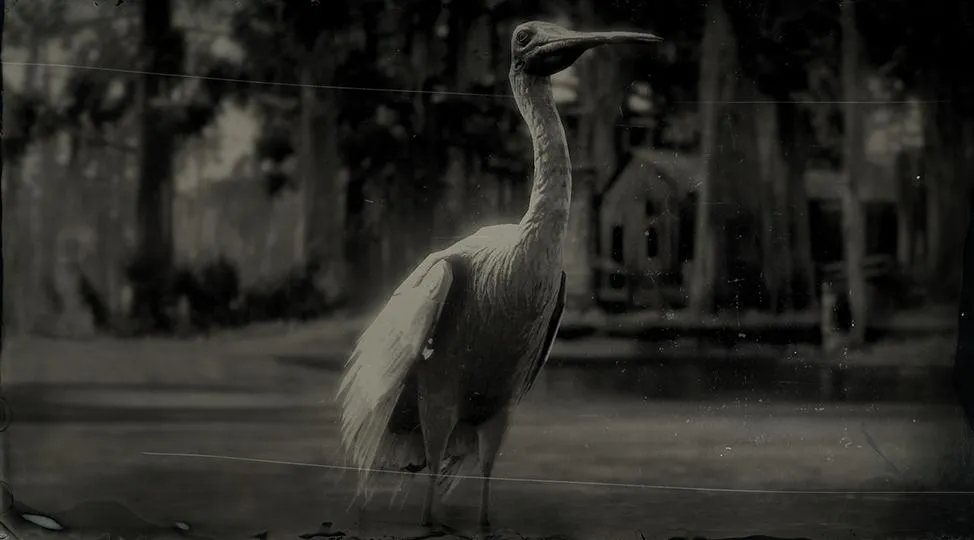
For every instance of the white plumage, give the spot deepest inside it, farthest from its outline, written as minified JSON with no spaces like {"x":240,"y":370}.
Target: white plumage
{"x":433,"y":381}
{"x":376,"y":370}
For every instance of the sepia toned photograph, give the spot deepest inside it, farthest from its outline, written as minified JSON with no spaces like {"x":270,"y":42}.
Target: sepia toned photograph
{"x":487,"y":269}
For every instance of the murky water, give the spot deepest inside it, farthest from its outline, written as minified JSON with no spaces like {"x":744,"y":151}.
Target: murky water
{"x":606,"y":453}
{"x":760,"y":381}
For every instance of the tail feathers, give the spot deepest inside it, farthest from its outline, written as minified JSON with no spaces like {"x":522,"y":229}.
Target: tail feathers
{"x":453,"y":472}
{"x":404,"y":453}
{"x":401,"y":455}
{"x":461,"y":458}
{"x":404,"y":456}
{"x":378,"y":368}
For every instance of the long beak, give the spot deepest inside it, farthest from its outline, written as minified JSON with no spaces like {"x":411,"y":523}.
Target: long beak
{"x":579,"y":42}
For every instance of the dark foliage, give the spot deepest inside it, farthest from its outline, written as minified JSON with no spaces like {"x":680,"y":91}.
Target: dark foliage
{"x":274,"y":142}
{"x":789,"y":49}
{"x":381,"y":130}
{"x":294,"y":297}
{"x":777,"y":41}
{"x":211,"y":291}
{"x":94,"y":301}
{"x":277,"y":181}
{"x":926,"y":36}
{"x":31,"y":118}
{"x":215,"y":298}
{"x":275,"y":145}
{"x":90,"y":102}
{"x":401,"y":141}
{"x":146,"y":277}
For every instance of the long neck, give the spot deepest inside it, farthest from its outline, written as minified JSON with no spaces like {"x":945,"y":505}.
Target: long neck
{"x":551,"y":191}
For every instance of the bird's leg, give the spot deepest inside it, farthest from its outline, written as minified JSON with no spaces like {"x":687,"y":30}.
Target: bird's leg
{"x":427,"y":519}
{"x":490,"y":435}
{"x":437,"y":417}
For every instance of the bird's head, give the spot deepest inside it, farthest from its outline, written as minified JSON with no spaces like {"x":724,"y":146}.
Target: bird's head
{"x":543,"y":49}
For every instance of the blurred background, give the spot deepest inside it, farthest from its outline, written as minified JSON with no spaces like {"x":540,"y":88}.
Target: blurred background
{"x":204,"y":202}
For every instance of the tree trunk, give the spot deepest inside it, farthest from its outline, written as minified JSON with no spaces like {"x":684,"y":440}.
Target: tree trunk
{"x":794,"y":144}
{"x":601,"y":93}
{"x":72,"y":244}
{"x":4,"y":437}
{"x":155,"y":192}
{"x":579,"y":244}
{"x":960,"y":453}
{"x":357,"y":240}
{"x":716,"y":86}
{"x":853,"y":223}
{"x":17,"y":282}
{"x":3,"y":281}
{"x":429,"y":166}
{"x":743,"y":197}
{"x":946,"y":165}
{"x":905,"y":201}
{"x":777,"y":257}
{"x":321,"y":172}
{"x":948,"y":177}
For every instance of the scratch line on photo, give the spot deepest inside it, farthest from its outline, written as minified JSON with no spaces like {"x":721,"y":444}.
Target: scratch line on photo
{"x":577,"y":483}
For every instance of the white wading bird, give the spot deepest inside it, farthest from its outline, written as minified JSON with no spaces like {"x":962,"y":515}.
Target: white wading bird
{"x":432,"y":382}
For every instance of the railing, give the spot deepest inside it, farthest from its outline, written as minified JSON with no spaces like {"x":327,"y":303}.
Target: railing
{"x":614,"y":281}
{"x":874,"y":266}
{"x":619,"y":283}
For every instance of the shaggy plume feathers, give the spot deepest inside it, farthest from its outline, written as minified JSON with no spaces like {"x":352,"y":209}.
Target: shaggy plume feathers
{"x":376,"y":372}
{"x":461,"y":459}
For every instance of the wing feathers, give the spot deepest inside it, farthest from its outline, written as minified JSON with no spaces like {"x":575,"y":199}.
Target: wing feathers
{"x":553,"y":324}
{"x":377,"y":369}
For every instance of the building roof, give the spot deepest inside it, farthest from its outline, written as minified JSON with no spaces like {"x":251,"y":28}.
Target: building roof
{"x":684,"y":171}
{"x":877,"y":185}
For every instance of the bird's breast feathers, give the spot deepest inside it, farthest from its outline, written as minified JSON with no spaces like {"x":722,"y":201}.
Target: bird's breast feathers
{"x":507,"y":277}
{"x":514,"y":279}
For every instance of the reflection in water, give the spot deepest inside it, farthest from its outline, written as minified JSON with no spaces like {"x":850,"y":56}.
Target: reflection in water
{"x":760,"y":380}
{"x":600,"y":428}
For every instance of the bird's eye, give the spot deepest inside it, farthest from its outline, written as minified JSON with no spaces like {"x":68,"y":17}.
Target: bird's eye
{"x":522,"y":37}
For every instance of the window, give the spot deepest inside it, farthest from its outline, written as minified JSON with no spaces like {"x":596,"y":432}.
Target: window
{"x":638,"y":136}
{"x":571,"y":122}
{"x":688,"y":224}
{"x":650,"y":208}
{"x":825,"y":220}
{"x":920,"y":209}
{"x":617,"y":246}
{"x":652,"y":243}
{"x":882,"y":228}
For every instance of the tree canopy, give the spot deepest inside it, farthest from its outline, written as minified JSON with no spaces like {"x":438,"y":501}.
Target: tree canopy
{"x":399,"y":90}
